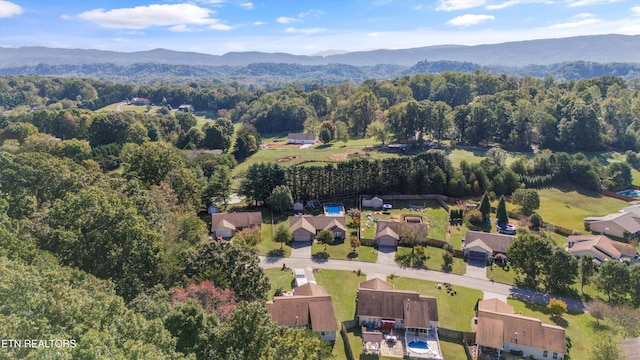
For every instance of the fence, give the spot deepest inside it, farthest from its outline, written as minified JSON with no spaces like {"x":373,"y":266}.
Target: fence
{"x":345,"y":340}
{"x":456,"y":336}
{"x":615,"y":195}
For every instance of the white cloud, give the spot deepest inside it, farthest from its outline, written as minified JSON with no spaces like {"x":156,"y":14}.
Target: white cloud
{"x":417,"y":7}
{"x":8,"y":9}
{"x":141,"y":17}
{"x":259,"y":23}
{"x":635,"y":10}
{"x":575,"y":24}
{"x":221,"y":27}
{"x":286,"y":20}
{"x":577,"y":3}
{"x":584,"y":16}
{"x":307,"y":31}
{"x":505,"y":4}
{"x":180,"y":28}
{"x":247,"y":5}
{"x":314,"y":13}
{"x":451,"y":5}
{"x":469,"y":19}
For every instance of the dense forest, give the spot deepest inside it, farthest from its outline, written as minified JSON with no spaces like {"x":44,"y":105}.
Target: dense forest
{"x":99,"y":230}
{"x":267,"y":74}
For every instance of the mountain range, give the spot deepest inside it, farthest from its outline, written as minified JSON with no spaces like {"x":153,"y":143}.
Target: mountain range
{"x":595,"y":48}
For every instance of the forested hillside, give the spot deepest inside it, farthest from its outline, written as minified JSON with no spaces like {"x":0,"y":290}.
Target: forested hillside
{"x":106,"y":201}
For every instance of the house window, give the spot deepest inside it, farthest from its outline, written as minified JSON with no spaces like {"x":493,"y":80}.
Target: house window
{"x":545,"y":353}
{"x":555,"y":355}
{"x":401,"y":321}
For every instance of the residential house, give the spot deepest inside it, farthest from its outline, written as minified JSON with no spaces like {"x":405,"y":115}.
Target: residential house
{"x":186,"y":108}
{"x":301,"y":138}
{"x":484,"y":246}
{"x":226,"y":225}
{"x":600,"y":248}
{"x":381,"y":308}
{"x":390,"y":233}
{"x":305,"y":228}
{"x":500,"y":331}
{"x":624,"y":225}
{"x":372,"y":202}
{"x":310,"y":307}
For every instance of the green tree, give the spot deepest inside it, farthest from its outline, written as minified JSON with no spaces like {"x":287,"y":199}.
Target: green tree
{"x":137,"y":133}
{"x":447,"y":260}
{"x":605,"y":347}
{"x":215,"y":137}
{"x":260,"y":181}
{"x":151,"y":162}
{"x":527,"y":199}
{"x":613,"y":280}
{"x":298,"y":344}
{"x":282,"y":234}
{"x":634,"y":285}
{"x":557,"y":307}
{"x":586,"y":270}
{"x":560,"y":271}
{"x":380,"y":131}
{"x":325,"y":136}
{"x":186,"y":186}
{"x":248,"y":237}
{"x":501,"y":211}
{"x":325,"y":237}
{"x":19,"y":131}
{"x":354,"y":242}
{"x":280,"y":199}
{"x":187,"y":322}
{"x":218,"y":187}
{"x":485,"y":208}
{"x":342,"y":132}
{"x":529,"y":254}
{"x":78,"y":150}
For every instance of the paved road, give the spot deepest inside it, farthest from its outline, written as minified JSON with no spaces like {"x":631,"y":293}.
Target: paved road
{"x":573,"y":305}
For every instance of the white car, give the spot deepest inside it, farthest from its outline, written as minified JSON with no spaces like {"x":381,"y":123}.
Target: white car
{"x":506,"y":229}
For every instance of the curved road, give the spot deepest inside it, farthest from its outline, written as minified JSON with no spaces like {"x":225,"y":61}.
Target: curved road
{"x":573,"y":305}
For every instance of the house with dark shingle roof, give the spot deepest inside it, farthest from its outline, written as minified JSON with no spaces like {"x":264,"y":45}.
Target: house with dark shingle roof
{"x":623,"y":224}
{"x":600,"y":248}
{"x":484,"y":246}
{"x":390,"y":233}
{"x":310,"y":307}
{"x":226,"y":225}
{"x":500,"y":331}
{"x":305,"y":228}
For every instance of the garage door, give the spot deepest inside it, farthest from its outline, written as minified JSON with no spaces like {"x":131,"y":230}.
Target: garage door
{"x":477,"y":255}
{"x":386,"y":241}
{"x":301,"y":236}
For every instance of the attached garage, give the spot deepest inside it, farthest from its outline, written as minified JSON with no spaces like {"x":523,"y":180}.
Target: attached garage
{"x":302,"y":235}
{"x":387,"y":241}
{"x":387,"y":237}
{"x":477,"y":250}
{"x":479,"y":255}
{"x":224,"y":232}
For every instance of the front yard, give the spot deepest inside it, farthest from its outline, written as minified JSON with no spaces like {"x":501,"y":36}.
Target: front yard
{"x":343,"y":250}
{"x":433,"y":260}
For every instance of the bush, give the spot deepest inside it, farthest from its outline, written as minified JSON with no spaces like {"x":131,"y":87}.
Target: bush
{"x":475,"y":219}
{"x":536,"y":221}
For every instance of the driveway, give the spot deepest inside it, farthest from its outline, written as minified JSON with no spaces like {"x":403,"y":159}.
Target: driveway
{"x":386,"y":255}
{"x":301,"y":249}
{"x":476,"y":269}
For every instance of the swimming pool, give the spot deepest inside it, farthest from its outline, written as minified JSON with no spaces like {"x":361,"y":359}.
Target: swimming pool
{"x":630,"y":192}
{"x":419,"y":347}
{"x":333,"y":210}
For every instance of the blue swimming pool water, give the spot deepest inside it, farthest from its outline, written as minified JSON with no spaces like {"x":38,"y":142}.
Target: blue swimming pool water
{"x":418,"y":345}
{"x":634,"y":193}
{"x":335,"y":210}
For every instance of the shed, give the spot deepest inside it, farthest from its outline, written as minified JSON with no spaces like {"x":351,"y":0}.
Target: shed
{"x":298,"y":205}
{"x":375,"y":202}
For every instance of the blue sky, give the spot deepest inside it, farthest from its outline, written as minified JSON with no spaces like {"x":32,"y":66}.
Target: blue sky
{"x":304,"y":26}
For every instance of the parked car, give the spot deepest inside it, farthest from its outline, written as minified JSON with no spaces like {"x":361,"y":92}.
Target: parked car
{"x":506,"y":229}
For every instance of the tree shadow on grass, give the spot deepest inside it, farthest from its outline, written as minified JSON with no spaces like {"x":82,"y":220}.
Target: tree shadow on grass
{"x":560,"y":321}
{"x":412,"y":260}
{"x":276,"y":253}
{"x":324,"y":146}
{"x":352,"y":255}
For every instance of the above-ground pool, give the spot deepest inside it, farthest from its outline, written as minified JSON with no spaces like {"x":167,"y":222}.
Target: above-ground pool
{"x":630,"y":192}
{"x":333,"y":210}
{"x":419,"y":347}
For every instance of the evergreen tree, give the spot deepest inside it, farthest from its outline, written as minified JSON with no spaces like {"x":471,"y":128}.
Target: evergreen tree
{"x":485,"y":207}
{"x":501,"y":211}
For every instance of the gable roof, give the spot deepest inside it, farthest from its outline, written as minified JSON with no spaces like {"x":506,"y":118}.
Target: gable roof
{"x":314,"y":310}
{"x":626,"y":220}
{"x":498,"y":324}
{"x":301,"y":136}
{"x":375,"y":284}
{"x":377,"y":298}
{"x":478,"y":243}
{"x":602,"y":246}
{"x":237,"y":220}
{"x":397,"y":229}
{"x":495,"y":242}
{"x":317,"y":223}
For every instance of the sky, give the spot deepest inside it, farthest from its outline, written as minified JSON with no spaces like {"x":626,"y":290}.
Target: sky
{"x":303,"y":27}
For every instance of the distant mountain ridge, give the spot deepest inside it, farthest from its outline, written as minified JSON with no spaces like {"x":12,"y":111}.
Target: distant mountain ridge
{"x":595,"y":48}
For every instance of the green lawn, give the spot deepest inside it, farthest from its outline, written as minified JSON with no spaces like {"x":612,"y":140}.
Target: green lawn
{"x":434,"y":260}
{"x":454,"y":312}
{"x":279,"y":279}
{"x":344,"y":251}
{"x":452,"y":351}
{"x":502,"y":276}
{"x":581,"y":328}
{"x":267,"y":245}
{"x":567,"y":206}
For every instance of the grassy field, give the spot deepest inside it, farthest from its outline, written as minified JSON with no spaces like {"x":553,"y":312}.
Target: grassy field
{"x":452,"y":351}
{"x":502,"y":276}
{"x":433,"y":262}
{"x":268,"y":246}
{"x":344,"y":251}
{"x":279,"y":279}
{"x":567,"y":206}
{"x":581,"y":328}
{"x":454,"y":312}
